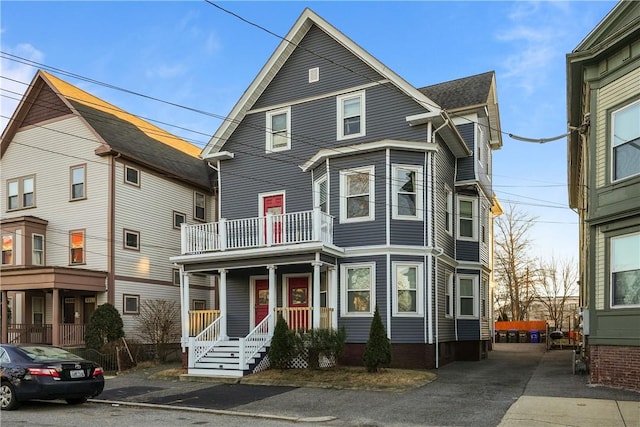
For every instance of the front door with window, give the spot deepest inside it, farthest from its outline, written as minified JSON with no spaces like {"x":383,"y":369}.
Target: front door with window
{"x":273,"y":205}
{"x":299,"y":303}
{"x":261,"y":300}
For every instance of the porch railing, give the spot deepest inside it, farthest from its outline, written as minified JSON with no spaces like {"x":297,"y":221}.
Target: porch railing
{"x":301,"y":318}
{"x":71,"y":334}
{"x":204,"y":341}
{"x":200,"y":319}
{"x":22,"y":333}
{"x":255,"y":341}
{"x":264,"y":231}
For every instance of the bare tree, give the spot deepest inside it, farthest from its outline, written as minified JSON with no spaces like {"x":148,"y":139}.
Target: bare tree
{"x":514,"y":269}
{"x":558,"y":282}
{"x":159,"y":325}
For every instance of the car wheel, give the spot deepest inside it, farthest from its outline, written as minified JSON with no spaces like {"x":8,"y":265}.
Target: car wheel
{"x":8,"y":399}
{"x":76,"y":400}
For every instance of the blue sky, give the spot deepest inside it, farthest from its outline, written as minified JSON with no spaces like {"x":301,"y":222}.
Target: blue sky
{"x":193,"y":54}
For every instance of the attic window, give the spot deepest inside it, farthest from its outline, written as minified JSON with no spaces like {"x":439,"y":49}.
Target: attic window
{"x":314,"y":74}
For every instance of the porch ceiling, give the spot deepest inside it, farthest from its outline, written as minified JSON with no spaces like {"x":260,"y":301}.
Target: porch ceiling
{"x":24,"y":279}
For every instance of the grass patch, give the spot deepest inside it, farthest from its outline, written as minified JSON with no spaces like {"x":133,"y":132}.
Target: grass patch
{"x":343,"y":377}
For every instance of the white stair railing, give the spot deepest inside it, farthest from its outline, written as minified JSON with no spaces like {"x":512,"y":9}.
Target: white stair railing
{"x":204,"y":341}
{"x":255,"y":341}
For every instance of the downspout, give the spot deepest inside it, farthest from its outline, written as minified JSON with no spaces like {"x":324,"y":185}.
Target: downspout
{"x":111,"y":287}
{"x":440,"y":252}
{"x":388,"y":235}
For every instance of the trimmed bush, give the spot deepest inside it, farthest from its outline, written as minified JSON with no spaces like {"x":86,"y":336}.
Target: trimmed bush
{"x":282,"y":348}
{"x":377,"y":351}
{"x":104,"y":326}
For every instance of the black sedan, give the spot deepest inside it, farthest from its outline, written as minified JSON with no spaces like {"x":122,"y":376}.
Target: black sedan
{"x":32,"y":371}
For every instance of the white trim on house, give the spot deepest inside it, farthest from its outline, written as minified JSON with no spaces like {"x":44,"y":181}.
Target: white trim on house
{"x":344,"y":175}
{"x":340,"y":115}
{"x":474,"y":218}
{"x":475,"y":295}
{"x":419,"y":299}
{"x":418,"y":191}
{"x":344,"y":291}
{"x":270,"y":134}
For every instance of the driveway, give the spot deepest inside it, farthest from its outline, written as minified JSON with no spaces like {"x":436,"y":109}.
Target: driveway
{"x":465,"y":393}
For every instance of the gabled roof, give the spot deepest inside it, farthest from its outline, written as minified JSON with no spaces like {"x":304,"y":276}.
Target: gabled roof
{"x":468,"y":93}
{"x":279,"y":58}
{"x":118,"y":131}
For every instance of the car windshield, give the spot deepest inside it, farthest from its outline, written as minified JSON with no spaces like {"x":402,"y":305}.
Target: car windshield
{"x":48,"y":353}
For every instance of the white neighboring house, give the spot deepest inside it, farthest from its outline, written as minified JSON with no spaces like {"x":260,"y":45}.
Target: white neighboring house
{"x":92,"y":202}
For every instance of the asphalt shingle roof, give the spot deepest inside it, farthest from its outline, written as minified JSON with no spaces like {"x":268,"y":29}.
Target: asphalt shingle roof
{"x":460,"y":93}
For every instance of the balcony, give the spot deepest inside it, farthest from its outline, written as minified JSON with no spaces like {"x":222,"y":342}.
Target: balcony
{"x":265,"y":231}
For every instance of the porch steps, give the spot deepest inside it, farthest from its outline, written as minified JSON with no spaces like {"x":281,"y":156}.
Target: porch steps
{"x":224,"y":361}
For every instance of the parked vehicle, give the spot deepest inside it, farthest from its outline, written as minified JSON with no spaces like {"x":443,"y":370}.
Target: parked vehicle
{"x":34,"y":371}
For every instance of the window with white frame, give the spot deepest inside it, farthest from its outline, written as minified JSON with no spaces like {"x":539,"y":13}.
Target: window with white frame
{"x":131,"y":176}
{"x":407,"y":193}
{"x":130,"y":304}
{"x":625,"y":270}
{"x":484,"y":291}
{"x":199,"y":206}
{"x":321,"y":194}
{"x":407,"y":280}
{"x":467,"y":218}
{"x":357,"y":194}
{"x":483,"y":224}
{"x":21,"y":193}
{"x":76,"y":247}
{"x":448,"y":214}
{"x":175,"y":276}
{"x":78,"y":178}
{"x":467,"y":296}
{"x":7,"y":249}
{"x":131,"y":239}
{"x":448,"y":296}
{"x":351,"y":115}
{"x":278,"y":130}
{"x":625,"y":141}
{"x":37,"y":249}
{"x":358,"y":289}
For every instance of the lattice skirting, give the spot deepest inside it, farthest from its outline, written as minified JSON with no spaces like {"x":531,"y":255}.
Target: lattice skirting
{"x":299,"y":362}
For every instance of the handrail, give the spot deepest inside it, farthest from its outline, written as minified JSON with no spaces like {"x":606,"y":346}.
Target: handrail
{"x":255,"y":340}
{"x":204,"y":341}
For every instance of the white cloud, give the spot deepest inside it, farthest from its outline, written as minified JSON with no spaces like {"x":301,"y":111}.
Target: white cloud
{"x":16,"y":77}
{"x":165,"y":71}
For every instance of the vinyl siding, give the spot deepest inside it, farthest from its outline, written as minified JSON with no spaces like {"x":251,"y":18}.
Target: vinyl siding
{"x":344,"y":70}
{"x":444,"y":175}
{"x":600,"y":279}
{"x":409,"y":329}
{"x":469,"y":329}
{"x":52,"y":150}
{"x":609,"y":96}
{"x":467,"y":250}
{"x":465,"y":171}
{"x":446,"y":325}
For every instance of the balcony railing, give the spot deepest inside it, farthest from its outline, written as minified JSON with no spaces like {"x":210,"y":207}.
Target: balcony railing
{"x":265,"y":231}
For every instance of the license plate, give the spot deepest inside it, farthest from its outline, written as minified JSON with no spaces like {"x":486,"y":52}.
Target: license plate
{"x":79,"y":373}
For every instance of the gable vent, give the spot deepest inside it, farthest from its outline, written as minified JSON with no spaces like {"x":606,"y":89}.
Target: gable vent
{"x":314,"y":74}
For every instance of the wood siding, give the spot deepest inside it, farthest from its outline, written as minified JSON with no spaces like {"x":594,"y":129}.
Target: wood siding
{"x":47,"y":106}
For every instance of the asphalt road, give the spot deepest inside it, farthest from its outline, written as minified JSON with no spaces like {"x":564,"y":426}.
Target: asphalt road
{"x":464,"y":394}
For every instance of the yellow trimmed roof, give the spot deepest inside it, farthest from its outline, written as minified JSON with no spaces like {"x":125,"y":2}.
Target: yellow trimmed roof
{"x":75,"y":94}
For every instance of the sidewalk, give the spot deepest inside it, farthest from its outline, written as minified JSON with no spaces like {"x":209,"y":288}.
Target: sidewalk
{"x":533,"y":411}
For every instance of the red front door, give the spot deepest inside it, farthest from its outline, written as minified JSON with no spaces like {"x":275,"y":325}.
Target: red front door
{"x":299,"y":303}
{"x":274,"y":205}
{"x":262,"y":300}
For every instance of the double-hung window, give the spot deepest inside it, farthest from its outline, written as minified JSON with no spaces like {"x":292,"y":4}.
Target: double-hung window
{"x":78,"y":179}
{"x":357,"y":194}
{"x":625,"y":270}
{"x":37,"y":249}
{"x":320,"y":195}
{"x":358,"y":289}
{"x":21,"y":193}
{"x":199,"y":206}
{"x":77,"y":247}
{"x":467,"y":219}
{"x":407,"y":280}
{"x":7,"y":249}
{"x":625,"y":142}
{"x":407,"y":192}
{"x":467,"y":296}
{"x":278,"y":130}
{"x":448,"y":296}
{"x":351,"y":115}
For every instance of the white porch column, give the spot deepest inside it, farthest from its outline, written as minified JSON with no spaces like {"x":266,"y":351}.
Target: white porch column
{"x":272,"y":298}
{"x":223,"y":302}
{"x":316,"y":294}
{"x":332,"y":279}
{"x":55,"y":327}
{"x":184,"y":303}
